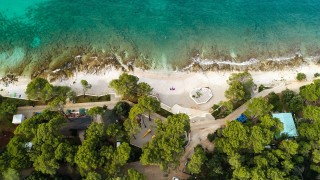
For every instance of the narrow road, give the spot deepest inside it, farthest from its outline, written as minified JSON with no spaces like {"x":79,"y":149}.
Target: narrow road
{"x":200,"y":130}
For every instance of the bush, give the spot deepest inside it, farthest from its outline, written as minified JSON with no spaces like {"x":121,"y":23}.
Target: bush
{"x":301,"y":76}
{"x":316,"y":75}
{"x":122,"y":109}
{"x":224,"y":108}
{"x":262,"y":87}
{"x":87,"y":98}
{"x":164,"y":113}
{"x":211,"y":137}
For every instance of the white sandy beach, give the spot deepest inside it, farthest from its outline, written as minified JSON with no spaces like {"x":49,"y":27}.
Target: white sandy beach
{"x":162,"y":81}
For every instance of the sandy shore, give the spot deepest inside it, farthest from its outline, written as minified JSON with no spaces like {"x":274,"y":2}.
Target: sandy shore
{"x":162,"y":81}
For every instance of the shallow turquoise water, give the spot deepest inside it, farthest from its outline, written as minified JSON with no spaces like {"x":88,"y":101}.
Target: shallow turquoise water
{"x":165,"y":31}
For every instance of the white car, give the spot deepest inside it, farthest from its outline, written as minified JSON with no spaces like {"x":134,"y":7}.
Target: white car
{"x":175,"y":178}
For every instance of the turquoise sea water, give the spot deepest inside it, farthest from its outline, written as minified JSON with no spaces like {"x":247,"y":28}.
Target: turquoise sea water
{"x":163,"y":31}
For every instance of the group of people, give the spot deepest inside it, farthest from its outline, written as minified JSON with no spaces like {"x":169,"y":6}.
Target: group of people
{"x":172,"y":89}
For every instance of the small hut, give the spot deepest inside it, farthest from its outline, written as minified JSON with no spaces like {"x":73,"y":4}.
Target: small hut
{"x":18,"y":119}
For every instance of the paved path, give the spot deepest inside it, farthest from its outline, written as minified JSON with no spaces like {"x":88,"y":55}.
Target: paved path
{"x":201,"y":129}
{"x":29,"y":111}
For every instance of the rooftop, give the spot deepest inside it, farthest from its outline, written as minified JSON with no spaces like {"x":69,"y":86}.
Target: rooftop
{"x":18,"y":119}
{"x":80,"y":123}
{"x":289,"y":127}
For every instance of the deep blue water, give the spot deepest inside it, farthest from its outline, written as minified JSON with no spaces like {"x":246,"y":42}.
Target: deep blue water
{"x":165,"y":31}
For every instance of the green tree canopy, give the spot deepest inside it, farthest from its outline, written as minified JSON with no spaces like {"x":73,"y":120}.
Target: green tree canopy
{"x":71,"y":95}
{"x":85,"y":86}
{"x":311,"y":92}
{"x":8,"y":107}
{"x":236,"y":91}
{"x":46,"y":140}
{"x":301,"y":76}
{"x":295,"y":104}
{"x":11,"y":174}
{"x":241,"y":86}
{"x":57,"y":104}
{"x":135,"y":111}
{"x":116,"y":132}
{"x":149,"y":104}
{"x":95,"y":153}
{"x":144,"y":89}
{"x":250,"y":156}
{"x":166,"y":147}
{"x":197,"y":160}
{"x":134,"y":175}
{"x":258,"y":107}
{"x":275,"y":101}
{"x":18,"y":153}
{"x":128,"y":87}
{"x":93,"y":176}
{"x":309,"y":139}
{"x":312,"y":113}
{"x":131,"y":126}
{"x":287,"y":95}
{"x":38,"y":89}
{"x":65,"y":152}
{"x":96,"y":111}
{"x":28,"y":128}
{"x":122,"y":109}
{"x":88,"y":157}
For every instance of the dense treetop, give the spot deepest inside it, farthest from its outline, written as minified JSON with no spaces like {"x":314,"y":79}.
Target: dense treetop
{"x":128,"y":87}
{"x":241,"y":86}
{"x":166,"y":148}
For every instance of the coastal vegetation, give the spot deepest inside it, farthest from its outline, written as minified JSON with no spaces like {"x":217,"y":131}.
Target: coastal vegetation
{"x":256,"y":149}
{"x":128,"y":87}
{"x":166,"y":148}
{"x":41,"y":89}
{"x":38,"y":143}
{"x":301,"y":76}
{"x":8,"y":107}
{"x":240,"y":89}
{"x":85,"y":86}
{"x":50,"y":149}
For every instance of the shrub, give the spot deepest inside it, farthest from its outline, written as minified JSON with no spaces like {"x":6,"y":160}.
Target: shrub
{"x":301,"y":76}
{"x":274,"y":99}
{"x":262,"y":87}
{"x":211,"y":137}
{"x":222,"y":109}
{"x":316,"y":75}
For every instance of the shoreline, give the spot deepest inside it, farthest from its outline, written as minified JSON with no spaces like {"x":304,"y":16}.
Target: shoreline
{"x":161,"y":81}
{"x":65,"y":61}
